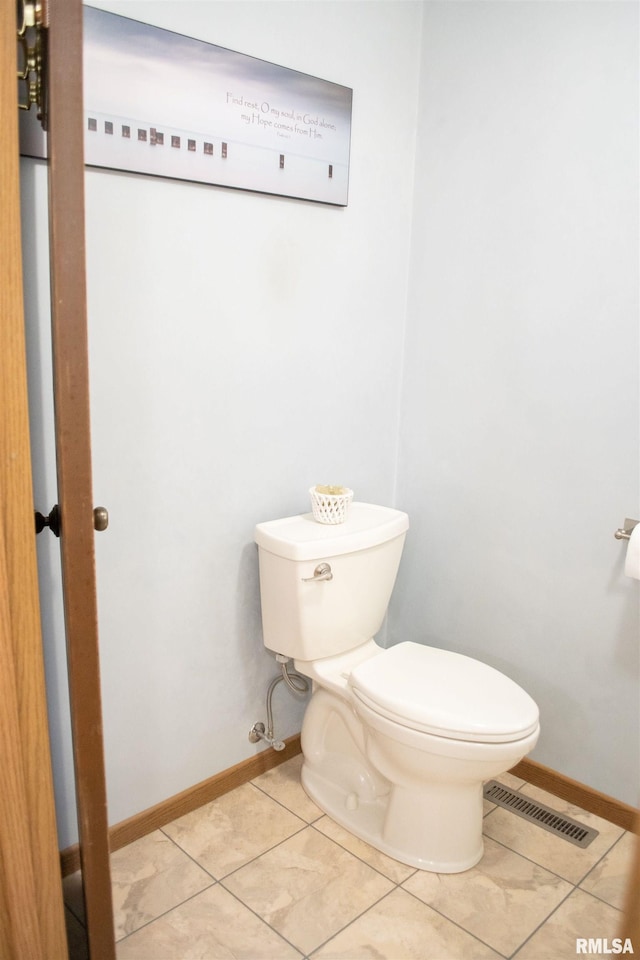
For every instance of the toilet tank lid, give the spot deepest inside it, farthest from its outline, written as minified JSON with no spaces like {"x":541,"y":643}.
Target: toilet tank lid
{"x":303,"y":538}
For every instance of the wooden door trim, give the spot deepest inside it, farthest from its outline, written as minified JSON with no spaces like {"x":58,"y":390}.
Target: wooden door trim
{"x":73,"y":455}
{"x":31,"y":906}
{"x":20,"y":933}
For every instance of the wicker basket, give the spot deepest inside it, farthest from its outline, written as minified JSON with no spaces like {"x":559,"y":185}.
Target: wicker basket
{"x":330,"y":504}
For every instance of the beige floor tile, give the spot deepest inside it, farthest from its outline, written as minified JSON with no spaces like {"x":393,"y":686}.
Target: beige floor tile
{"x":400,"y":927}
{"x":501,"y":901}
{"x":393,"y":869}
{"x":283,"y":784}
{"x":581,"y":915}
{"x":608,"y":879}
{"x":148,"y":878}
{"x":211,"y":926}
{"x":308,"y":888}
{"x":547,"y":849}
{"x":230,"y":831}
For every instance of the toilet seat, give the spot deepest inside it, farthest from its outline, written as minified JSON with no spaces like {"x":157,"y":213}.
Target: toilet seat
{"x":445,"y":694}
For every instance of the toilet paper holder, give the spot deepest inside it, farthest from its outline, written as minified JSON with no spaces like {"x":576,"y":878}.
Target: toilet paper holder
{"x":624,"y":533}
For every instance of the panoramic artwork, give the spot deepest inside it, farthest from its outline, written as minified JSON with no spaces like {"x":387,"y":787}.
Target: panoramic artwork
{"x":159,"y":103}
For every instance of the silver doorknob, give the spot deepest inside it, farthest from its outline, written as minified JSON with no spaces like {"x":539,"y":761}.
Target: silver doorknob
{"x":100,"y":518}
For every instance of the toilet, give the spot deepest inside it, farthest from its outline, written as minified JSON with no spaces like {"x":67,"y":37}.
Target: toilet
{"x":397,"y":743}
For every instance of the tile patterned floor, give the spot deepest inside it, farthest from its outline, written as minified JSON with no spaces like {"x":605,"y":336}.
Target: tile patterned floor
{"x":261,"y":873}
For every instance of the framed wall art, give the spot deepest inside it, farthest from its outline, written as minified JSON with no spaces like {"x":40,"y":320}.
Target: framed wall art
{"x":163,"y":104}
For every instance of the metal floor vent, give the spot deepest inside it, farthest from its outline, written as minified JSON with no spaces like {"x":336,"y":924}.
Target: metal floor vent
{"x":545,"y":817}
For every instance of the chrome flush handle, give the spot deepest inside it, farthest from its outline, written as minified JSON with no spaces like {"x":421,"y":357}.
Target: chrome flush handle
{"x":322,"y":572}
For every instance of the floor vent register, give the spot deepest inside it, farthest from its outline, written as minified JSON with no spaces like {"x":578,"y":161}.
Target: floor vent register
{"x":544,"y":817}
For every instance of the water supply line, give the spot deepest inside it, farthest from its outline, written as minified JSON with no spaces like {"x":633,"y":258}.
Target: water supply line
{"x":297,"y":684}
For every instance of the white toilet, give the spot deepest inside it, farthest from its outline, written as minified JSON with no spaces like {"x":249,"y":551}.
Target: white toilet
{"x":397,"y":743}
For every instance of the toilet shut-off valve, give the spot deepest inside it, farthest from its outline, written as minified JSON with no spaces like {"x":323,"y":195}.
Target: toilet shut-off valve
{"x":258,"y":733}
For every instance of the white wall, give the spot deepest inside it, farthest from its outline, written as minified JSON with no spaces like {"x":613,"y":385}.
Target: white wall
{"x":243,"y":347}
{"x":35,"y":242}
{"x":519,"y":425}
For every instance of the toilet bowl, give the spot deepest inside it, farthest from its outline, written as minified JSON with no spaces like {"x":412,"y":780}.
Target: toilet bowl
{"x":397,"y":742}
{"x":404,"y":770}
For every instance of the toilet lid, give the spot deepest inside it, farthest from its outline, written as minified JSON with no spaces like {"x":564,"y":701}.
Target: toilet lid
{"x":445,"y":694}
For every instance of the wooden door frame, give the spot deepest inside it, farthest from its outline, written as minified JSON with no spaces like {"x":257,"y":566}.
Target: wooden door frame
{"x":31,"y":906}
{"x":73,"y":458}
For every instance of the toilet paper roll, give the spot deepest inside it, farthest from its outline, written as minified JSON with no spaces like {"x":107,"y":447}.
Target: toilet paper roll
{"x":632,"y":560}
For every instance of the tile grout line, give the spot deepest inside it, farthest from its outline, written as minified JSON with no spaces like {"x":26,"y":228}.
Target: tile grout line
{"x":375,"y":903}
{"x":548,"y":869}
{"x":530,"y":860}
{"x":262,"y":919}
{"x":543,"y":922}
{"x":454,"y":923}
{"x":166,"y":913}
{"x":187,"y":854}
{"x":352,"y":854}
{"x":575,"y":888}
{"x":597,"y":864}
{"x":284,"y":806}
{"x":275,"y":846}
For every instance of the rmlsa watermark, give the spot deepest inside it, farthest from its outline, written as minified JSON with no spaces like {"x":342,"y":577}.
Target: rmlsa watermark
{"x":603,"y":947}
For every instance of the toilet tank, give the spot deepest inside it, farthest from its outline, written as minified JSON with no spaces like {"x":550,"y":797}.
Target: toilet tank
{"x":306,"y":619}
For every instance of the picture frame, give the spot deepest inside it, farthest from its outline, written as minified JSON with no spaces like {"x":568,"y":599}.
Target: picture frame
{"x":163,"y":104}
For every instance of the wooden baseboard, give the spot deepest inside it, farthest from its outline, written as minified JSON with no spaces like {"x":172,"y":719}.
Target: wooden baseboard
{"x":577,"y":793}
{"x":145,"y":822}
